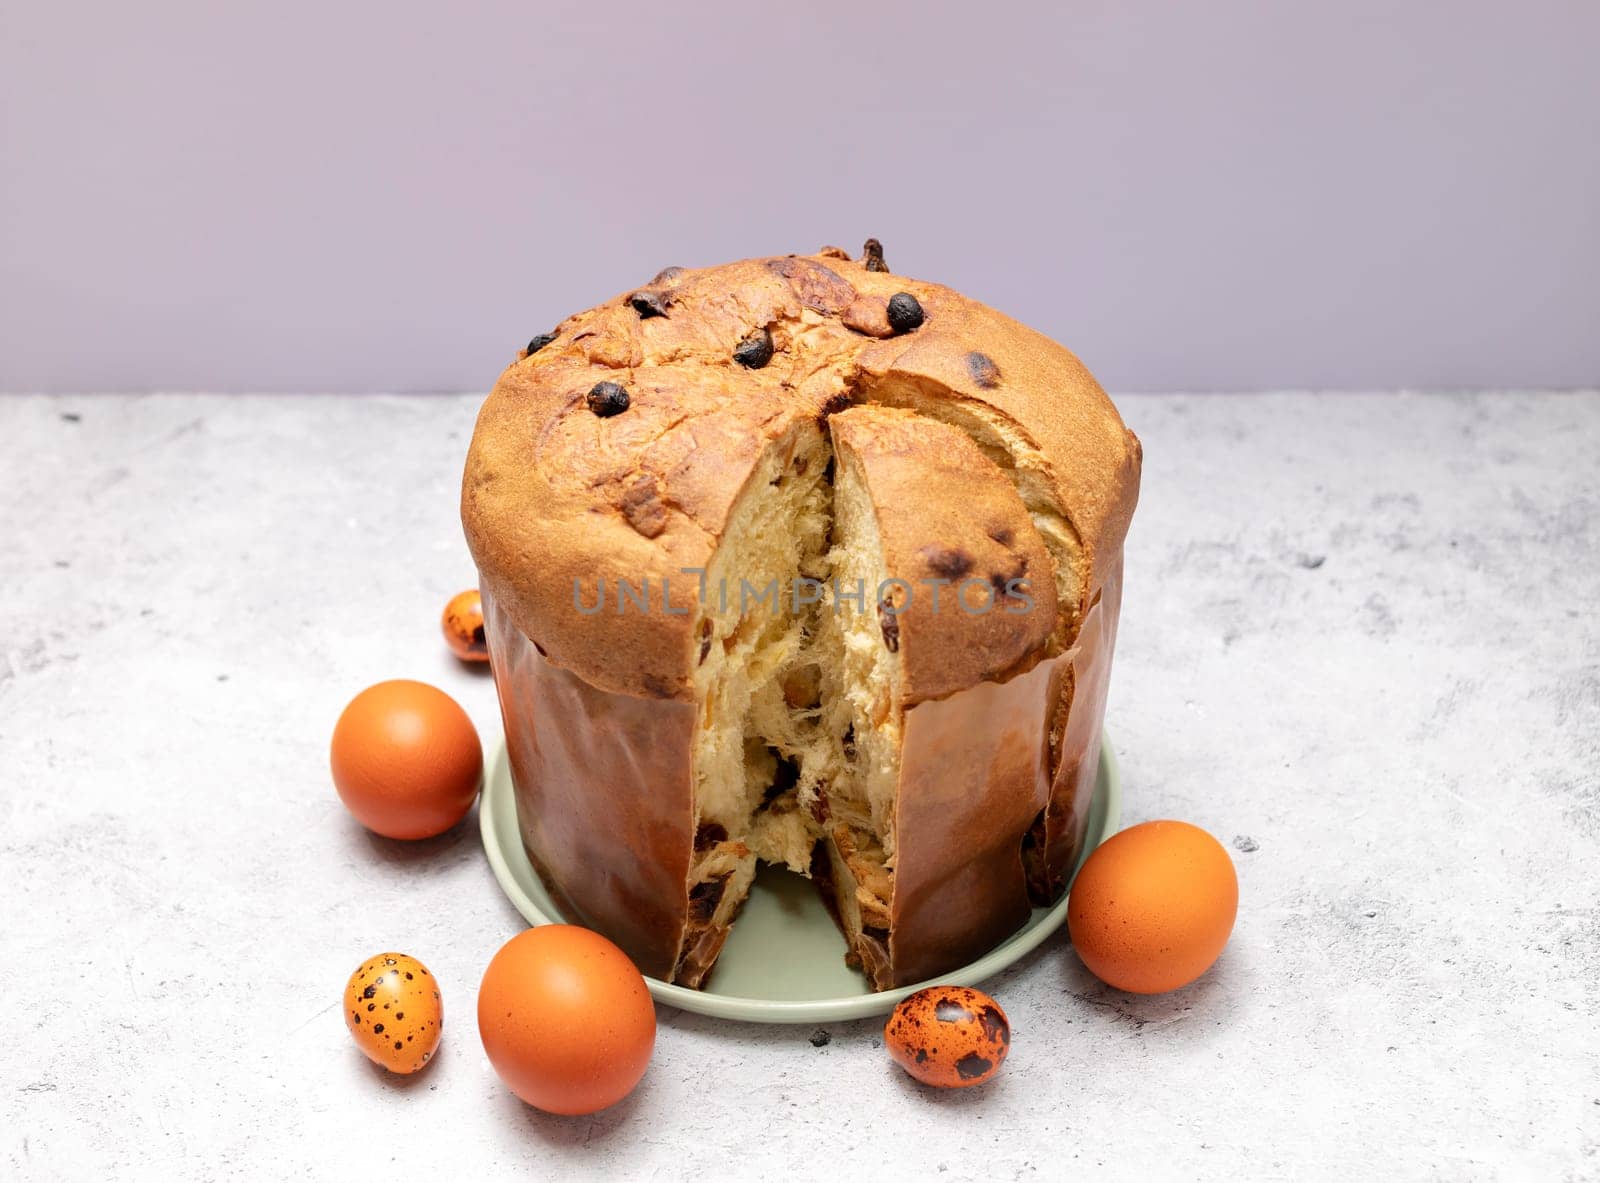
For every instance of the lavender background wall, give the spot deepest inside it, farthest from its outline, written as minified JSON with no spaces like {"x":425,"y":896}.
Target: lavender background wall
{"x":349,"y":196}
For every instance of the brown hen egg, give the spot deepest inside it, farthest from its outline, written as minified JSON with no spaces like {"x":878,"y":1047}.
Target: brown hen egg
{"x":406,"y":759}
{"x":463,"y":626}
{"x":394,"y":1012}
{"x":566,"y":1019}
{"x":1153,"y":906}
{"x":951,"y":1037}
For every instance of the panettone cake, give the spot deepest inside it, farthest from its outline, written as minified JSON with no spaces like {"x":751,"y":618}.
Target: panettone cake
{"x":799,"y":561}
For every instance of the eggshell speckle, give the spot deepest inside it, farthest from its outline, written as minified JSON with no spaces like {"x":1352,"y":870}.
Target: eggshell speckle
{"x":951,"y":1037}
{"x":393,"y":1010}
{"x":1153,"y":907}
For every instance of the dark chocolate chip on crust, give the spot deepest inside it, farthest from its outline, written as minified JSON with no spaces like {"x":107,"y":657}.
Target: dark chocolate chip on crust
{"x":607,"y":399}
{"x":983,"y":370}
{"x":872,"y":256}
{"x":755,"y":351}
{"x":649,"y":303}
{"x":539,"y":342}
{"x":665,"y":274}
{"x":905,"y":312}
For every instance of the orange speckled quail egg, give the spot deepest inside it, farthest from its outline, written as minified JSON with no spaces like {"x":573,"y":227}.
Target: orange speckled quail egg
{"x":463,"y":626}
{"x":393,"y":1010}
{"x":951,"y":1037}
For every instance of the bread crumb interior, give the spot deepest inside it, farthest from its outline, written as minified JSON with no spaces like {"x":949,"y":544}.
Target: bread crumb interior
{"x":797,"y":754}
{"x":798,"y":740}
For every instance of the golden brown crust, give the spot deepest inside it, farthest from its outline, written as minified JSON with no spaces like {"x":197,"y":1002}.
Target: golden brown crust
{"x":555,"y":494}
{"x":970,"y":354}
{"x":976,"y":593}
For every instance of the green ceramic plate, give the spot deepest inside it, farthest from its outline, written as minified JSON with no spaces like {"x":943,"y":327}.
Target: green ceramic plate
{"x":784,"y":960}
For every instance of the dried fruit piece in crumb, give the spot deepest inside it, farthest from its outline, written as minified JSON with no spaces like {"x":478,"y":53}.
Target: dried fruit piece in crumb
{"x":889,"y":622}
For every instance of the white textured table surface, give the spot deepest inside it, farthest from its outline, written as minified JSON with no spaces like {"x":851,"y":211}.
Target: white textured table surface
{"x":1359,"y":645}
